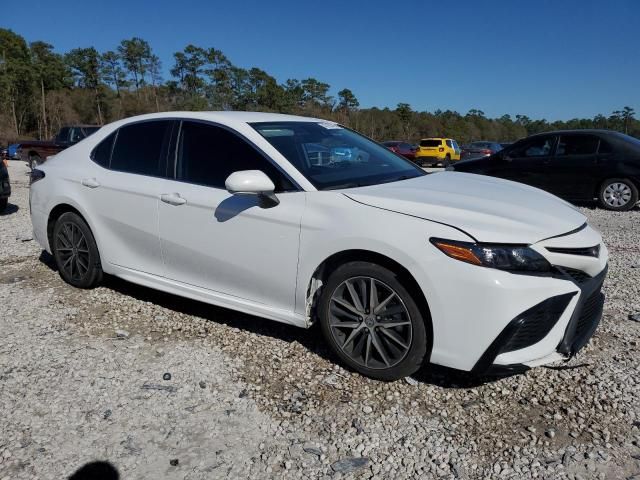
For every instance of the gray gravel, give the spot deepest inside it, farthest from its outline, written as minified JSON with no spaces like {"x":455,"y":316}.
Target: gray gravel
{"x":81,"y":379}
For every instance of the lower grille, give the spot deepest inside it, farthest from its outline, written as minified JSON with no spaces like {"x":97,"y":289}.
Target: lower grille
{"x":590,"y":313}
{"x":534,"y":324}
{"x":586,"y":317}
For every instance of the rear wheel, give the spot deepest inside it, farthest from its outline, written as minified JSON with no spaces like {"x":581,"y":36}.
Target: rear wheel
{"x":34,"y":161}
{"x":372,"y":322}
{"x":447,"y":160}
{"x":618,"y":194}
{"x":76,"y":252}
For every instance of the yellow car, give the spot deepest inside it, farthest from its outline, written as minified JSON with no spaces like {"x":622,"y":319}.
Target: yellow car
{"x":433,"y":151}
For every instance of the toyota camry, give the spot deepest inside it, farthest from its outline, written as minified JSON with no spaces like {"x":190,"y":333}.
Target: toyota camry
{"x":398,"y":267}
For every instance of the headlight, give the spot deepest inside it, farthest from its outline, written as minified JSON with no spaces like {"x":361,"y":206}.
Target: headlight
{"x":518,"y":258}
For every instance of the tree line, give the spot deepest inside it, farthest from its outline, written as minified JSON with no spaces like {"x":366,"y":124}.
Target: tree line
{"x":41,"y":90}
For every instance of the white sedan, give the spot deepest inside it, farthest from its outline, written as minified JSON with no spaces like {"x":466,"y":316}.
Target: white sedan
{"x":398,"y":267}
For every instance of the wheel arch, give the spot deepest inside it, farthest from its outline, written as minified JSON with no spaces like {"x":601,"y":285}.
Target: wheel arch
{"x":329,"y":264}
{"x":56,"y":213}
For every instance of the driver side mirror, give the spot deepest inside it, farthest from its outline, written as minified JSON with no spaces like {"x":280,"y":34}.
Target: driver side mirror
{"x":252,"y":182}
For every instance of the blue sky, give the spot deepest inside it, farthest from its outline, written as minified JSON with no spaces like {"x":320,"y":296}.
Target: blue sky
{"x":542,"y":58}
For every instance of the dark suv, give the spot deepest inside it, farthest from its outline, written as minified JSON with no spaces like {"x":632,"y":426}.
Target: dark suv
{"x":577,"y":165}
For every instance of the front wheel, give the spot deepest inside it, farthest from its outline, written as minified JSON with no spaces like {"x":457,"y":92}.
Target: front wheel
{"x":618,"y":194}
{"x":372,"y":322}
{"x":76,"y":252}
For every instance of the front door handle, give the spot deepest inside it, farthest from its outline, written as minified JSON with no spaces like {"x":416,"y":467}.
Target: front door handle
{"x":172,"y":199}
{"x":90,"y":182}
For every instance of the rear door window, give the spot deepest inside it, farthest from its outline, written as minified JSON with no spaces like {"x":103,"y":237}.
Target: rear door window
{"x":102,"y":153}
{"x":141,"y":148}
{"x":571,"y":145}
{"x":449,"y":143}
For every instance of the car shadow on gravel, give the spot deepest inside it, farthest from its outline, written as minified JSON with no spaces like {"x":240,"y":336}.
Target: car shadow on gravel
{"x":310,"y":339}
{"x":10,"y":210}
{"x":96,"y":471}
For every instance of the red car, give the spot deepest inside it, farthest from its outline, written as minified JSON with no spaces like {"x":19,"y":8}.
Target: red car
{"x":405,"y":149}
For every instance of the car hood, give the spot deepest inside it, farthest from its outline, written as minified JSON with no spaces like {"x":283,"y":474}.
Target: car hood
{"x":488,"y":209}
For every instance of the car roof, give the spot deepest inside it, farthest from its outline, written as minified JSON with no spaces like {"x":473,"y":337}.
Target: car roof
{"x":599,"y":131}
{"x":224,"y":117}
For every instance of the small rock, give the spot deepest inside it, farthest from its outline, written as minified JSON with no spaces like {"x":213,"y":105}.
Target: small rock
{"x":243,"y":393}
{"x":106,"y":414}
{"x":166,"y":376}
{"x":357,"y":425}
{"x":349,"y":465}
{"x":202,"y":384}
{"x":174,"y":462}
{"x":367,"y":409}
{"x":531,"y":429}
{"x":635,"y":317}
{"x":122,"y":334}
{"x":550,"y":433}
{"x":411,"y":381}
{"x":312,"y":450}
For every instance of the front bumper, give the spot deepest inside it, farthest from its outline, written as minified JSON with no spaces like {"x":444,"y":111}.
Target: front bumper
{"x":536,"y":323}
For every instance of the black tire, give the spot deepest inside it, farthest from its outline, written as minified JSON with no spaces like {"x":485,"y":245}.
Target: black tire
{"x":3,"y":204}
{"x":418,"y":343}
{"x":75,"y":251}
{"x":626,"y":191}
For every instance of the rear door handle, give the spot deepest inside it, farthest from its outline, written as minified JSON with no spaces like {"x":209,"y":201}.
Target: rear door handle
{"x":90,"y":182}
{"x":172,"y":199}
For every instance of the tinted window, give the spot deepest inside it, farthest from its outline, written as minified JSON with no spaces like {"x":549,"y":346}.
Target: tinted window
{"x":207,"y":155}
{"x":448,"y":143}
{"x":537,"y":147}
{"x":430,"y":143}
{"x":102,"y":153}
{"x":63,"y":134}
{"x":139,"y":147}
{"x":605,"y":147}
{"x":577,"y":145}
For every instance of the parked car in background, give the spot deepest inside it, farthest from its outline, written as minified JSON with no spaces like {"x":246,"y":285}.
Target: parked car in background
{"x":505,"y":145}
{"x":577,"y":165}
{"x":479,"y":149}
{"x":434,"y":151}
{"x":35,"y":152}
{"x":5,"y":187}
{"x":10,"y":152}
{"x":398,"y":267}
{"x":405,"y":149}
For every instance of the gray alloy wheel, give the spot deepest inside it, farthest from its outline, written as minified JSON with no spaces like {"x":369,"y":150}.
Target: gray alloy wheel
{"x":617,"y":194}
{"x":76,"y":252}
{"x":370,"y":323}
{"x":72,"y":246}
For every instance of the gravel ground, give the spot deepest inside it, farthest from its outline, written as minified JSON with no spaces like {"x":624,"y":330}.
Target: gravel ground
{"x":81,"y":379}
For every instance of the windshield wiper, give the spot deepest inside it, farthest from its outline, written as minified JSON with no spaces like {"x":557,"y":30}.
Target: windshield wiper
{"x":397,"y":179}
{"x":343,"y":185}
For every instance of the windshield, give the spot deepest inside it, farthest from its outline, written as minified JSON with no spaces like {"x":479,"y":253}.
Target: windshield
{"x":333,"y":157}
